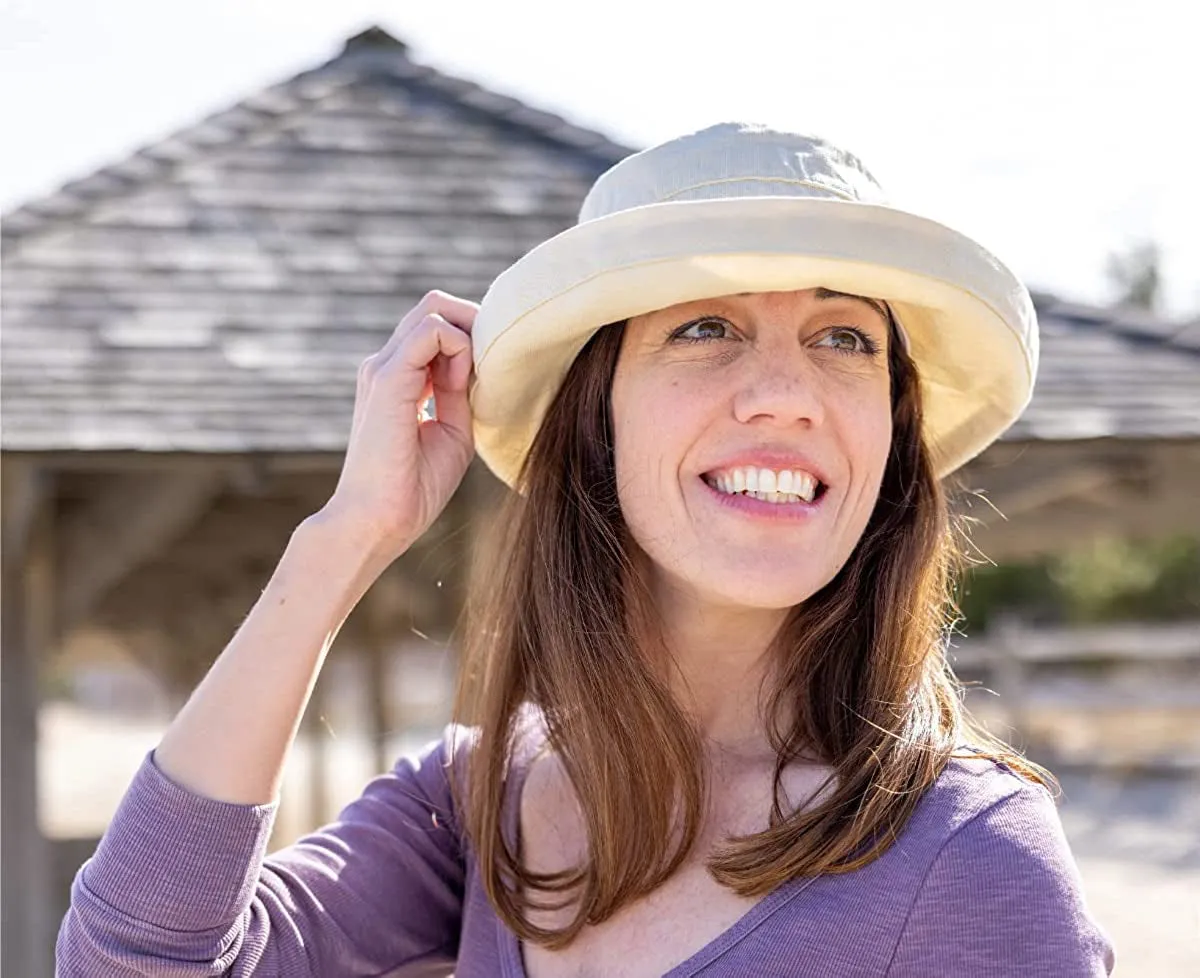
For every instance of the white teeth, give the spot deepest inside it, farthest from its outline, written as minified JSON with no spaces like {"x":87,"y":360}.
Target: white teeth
{"x":786,"y":486}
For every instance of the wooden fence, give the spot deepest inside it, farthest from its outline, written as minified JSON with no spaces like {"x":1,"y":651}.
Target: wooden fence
{"x":1122,"y":695}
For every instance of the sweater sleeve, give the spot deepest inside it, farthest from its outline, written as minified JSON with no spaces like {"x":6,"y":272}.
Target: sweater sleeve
{"x":1004,"y":898}
{"x":180,"y":886}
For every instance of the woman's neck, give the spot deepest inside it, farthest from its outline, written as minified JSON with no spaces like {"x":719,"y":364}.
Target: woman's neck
{"x":720,"y":664}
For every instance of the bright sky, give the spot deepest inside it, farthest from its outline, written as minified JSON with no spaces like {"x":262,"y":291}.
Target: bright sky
{"x":1055,"y":131}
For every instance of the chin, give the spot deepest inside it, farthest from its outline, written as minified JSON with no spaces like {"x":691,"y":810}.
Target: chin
{"x":763,"y":589}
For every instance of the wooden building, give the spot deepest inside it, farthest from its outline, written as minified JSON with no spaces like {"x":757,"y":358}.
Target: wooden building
{"x":180,"y":338}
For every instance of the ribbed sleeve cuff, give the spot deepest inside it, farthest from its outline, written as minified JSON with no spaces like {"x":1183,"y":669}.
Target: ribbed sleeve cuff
{"x":176,"y":859}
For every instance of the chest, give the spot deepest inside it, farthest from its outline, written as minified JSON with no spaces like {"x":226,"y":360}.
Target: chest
{"x":684,"y":916}
{"x":649,"y":937}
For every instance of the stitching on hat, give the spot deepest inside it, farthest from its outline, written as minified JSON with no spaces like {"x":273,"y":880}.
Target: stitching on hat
{"x":796,"y":183}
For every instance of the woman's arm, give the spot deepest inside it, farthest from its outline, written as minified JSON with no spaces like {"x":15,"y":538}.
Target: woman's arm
{"x":231,"y":739}
{"x":175,"y":887}
{"x":179,"y":886}
{"x":1004,"y":898}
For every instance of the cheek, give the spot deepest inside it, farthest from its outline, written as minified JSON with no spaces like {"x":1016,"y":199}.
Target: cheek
{"x":650,"y":426}
{"x":868,"y":440}
{"x":637,"y":451}
{"x":653,"y":431}
{"x":859,"y":424}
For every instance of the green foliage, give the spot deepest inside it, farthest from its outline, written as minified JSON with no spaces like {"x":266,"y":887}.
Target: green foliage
{"x":1108,"y":580}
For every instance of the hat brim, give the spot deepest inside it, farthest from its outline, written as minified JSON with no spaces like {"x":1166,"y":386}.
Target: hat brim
{"x":970,"y":323}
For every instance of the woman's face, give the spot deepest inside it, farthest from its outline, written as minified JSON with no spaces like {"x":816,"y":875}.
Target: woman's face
{"x":751,"y":435}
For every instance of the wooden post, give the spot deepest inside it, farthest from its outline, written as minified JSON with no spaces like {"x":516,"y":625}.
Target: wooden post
{"x":1011,"y":679}
{"x":318,"y":755}
{"x":26,"y":624}
{"x":378,"y":677}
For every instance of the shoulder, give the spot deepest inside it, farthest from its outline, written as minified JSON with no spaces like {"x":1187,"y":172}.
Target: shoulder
{"x":448,"y":761}
{"x":459,"y":741}
{"x":978,"y":812}
{"x":1006,"y":827}
{"x":1000,"y":885}
{"x":987,"y":824}
{"x":971,"y":785}
{"x":974,"y":801}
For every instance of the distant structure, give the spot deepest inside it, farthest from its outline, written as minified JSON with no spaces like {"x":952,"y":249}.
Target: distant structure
{"x":181,"y":333}
{"x":181,"y":336}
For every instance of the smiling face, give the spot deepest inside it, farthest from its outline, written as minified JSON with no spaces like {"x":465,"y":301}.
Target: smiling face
{"x":751,"y":433}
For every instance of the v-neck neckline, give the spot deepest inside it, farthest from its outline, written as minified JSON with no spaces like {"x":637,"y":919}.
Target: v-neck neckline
{"x":514,"y":964}
{"x":511,"y":957}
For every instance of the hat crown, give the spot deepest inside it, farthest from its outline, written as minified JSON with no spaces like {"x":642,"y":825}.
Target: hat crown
{"x":732,"y":159}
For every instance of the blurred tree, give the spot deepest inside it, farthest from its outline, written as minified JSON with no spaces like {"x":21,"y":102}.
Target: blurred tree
{"x":1108,"y":580}
{"x":1136,"y":276}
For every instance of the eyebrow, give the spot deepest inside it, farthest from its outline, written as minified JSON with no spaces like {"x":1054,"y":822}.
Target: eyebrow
{"x":822,"y":293}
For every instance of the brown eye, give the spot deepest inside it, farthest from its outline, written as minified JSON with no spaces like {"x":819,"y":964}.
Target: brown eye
{"x":847,"y":339}
{"x":701,"y":330}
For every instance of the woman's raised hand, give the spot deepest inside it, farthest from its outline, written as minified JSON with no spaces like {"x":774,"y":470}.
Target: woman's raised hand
{"x":231,"y":741}
{"x":400,"y":469}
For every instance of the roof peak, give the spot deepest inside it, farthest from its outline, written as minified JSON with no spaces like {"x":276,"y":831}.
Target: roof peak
{"x":374,"y":40}
{"x":365,"y":56}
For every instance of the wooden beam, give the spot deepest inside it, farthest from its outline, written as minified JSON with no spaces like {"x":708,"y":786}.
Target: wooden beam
{"x":1074,"y":523}
{"x":134,"y":518}
{"x":22,"y":495}
{"x":1137,"y":642}
{"x":26,"y":930}
{"x":1050,"y":496}
{"x":121,"y":461}
{"x":1047,"y":488}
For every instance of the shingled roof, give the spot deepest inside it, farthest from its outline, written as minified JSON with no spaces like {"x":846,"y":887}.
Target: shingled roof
{"x":1112,"y":373}
{"x":216,"y":291}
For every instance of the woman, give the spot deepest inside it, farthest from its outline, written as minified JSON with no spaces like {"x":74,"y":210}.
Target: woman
{"x":706,"y":723}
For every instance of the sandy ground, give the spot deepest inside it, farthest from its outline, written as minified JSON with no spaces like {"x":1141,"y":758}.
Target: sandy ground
{"x":1137,"y":839}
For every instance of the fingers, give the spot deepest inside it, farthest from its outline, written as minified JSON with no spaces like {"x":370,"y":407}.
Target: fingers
{"x":431,"y":338}
{"x":433,"y":357}
{"x":458,"y":312}
{"x":429,"y":352}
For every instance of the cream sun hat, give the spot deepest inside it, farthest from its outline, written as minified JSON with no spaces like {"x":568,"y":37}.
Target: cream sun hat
{"x":742,"y":208}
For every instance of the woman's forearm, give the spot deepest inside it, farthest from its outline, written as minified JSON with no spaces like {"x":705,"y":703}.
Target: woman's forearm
{"x":231,"y":739}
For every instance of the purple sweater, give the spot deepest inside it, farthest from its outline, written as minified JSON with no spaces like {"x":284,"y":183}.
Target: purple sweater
{"x":980,"y":883}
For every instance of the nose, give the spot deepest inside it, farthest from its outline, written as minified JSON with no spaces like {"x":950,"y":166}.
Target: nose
{"x":781,"y":390}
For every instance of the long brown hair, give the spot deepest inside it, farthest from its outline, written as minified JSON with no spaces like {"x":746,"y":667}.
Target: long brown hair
{"x":559,"y":616}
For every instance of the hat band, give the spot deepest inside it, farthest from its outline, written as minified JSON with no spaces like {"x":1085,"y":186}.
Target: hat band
{"x":779,"y":182}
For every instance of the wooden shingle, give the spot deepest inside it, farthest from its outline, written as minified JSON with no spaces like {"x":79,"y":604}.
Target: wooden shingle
{"x":216,"y":291}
